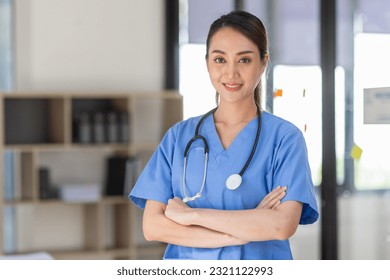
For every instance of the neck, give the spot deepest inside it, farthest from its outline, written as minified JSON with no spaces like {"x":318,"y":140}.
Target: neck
{"x":235,"y":113}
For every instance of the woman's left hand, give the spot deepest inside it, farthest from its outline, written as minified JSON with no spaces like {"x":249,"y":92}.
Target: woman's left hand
{"x":273,"y":199}
{"x":178,"y":211}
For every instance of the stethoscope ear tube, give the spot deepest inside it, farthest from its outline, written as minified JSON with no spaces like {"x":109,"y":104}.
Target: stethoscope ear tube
{"x":206,"y":146}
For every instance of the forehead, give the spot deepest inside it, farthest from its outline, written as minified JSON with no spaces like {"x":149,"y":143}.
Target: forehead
{"x":229,"y":39}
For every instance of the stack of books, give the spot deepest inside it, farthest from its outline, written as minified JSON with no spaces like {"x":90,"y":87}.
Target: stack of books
{"x":122,"y":173}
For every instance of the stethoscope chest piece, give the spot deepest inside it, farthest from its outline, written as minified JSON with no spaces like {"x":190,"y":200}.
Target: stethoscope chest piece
{"x":234,"y":181}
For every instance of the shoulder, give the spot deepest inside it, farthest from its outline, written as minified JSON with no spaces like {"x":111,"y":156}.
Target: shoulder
{"x":279,"y":126}
{"x":283,"y":136}
{"x":180,"y":130}
{"x":184,"y":125}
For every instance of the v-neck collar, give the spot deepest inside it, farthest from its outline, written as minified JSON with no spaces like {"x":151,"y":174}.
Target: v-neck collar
{"x":246,"y":135}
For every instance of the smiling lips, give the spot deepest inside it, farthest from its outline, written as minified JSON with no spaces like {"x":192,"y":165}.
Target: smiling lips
{"x":232,"y":87}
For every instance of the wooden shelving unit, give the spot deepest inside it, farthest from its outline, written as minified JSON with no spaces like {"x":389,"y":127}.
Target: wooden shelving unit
{"x":42,"y":129}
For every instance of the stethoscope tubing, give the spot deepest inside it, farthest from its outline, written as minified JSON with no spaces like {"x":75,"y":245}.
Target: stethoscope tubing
{"x":206,"y":152}
{"x":258,"y":132}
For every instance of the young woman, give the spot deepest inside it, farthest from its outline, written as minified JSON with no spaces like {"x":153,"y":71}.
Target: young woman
{"x":235,"y":182}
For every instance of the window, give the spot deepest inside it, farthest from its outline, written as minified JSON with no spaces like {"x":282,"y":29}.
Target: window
{"x":195,"y":84}
{"x":372,"y":62}
{"x":300,"y":103}
{"x":297,"y":69}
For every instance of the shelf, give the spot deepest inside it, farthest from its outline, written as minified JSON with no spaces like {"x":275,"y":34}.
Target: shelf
{"x":116,"y":253}
{"x":17,"y":202}
{"x":100,"y":120}
{"x":66,"y":147}
{"x":146,"y":146}
{"x":51,"y":140}
{"x":153,"y":252}
{"x":34,"y":120}
{"x":106,"y":200}
{"x":91,"y":254}
{"x":115,"y":200}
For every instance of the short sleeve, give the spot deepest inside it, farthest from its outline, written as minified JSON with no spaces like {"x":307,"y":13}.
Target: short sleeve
{"x":154,"y":182}
{"x":292,"y":170}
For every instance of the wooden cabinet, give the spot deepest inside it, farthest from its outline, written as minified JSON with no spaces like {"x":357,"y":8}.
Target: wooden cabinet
{"x":66,"y":139}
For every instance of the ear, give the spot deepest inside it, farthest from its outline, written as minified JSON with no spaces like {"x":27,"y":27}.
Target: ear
{"x":265,"y":60}
{"x":264,"y":63}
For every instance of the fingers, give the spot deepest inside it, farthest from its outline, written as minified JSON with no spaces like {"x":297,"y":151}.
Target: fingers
{"x":276,"y":204}
{"x":278,"y":193}
{"x":177,"y":211}
{"x":176,"y":202}
{"x":273,"y":199}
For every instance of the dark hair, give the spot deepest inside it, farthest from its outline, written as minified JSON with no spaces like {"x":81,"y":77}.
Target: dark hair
{"x":248,"y":25}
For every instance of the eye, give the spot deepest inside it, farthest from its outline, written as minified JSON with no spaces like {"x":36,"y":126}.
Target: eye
{"x":219,"y":60}
{"x":245,"y":60}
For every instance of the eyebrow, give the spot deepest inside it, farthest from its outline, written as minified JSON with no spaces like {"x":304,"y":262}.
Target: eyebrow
{"x":239,"y":53}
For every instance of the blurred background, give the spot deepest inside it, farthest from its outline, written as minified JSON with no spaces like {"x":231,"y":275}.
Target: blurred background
{"x":328,"y":74}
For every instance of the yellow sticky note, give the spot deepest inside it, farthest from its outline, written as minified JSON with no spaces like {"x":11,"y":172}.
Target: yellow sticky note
{"x":278,"y":92}
{"x":356,"y":152}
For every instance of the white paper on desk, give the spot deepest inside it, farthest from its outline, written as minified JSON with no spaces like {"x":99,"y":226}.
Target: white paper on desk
{"x":80,"y":192}
{"x":377,"y":105}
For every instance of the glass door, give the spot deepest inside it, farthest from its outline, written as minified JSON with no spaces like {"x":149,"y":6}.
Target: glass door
{"x":294,"y":92}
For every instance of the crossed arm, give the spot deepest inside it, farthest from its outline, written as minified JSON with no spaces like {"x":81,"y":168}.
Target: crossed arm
{"x":176,"y":223}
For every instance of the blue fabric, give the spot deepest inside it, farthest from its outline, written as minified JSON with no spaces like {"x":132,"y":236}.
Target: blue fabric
{"x":280,"y":160}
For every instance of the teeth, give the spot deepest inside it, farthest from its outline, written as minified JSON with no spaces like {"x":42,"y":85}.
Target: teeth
{"x":232,"y":86}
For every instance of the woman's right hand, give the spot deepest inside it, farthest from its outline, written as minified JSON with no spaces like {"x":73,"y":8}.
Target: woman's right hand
{"x":273,"y":199}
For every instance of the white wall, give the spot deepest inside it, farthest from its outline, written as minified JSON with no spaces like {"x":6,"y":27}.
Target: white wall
{"x":83,"y":46}
{"x":364,"y":226}
{"x":89,"y":45}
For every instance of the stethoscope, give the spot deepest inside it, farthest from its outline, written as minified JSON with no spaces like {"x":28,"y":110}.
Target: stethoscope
{"x":234,"y":180}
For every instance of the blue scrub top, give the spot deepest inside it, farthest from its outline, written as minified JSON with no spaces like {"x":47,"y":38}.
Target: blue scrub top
{"x":280,"y":160}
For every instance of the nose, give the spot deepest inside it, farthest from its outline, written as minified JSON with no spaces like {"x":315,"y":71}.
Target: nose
{"x":231,"y":70}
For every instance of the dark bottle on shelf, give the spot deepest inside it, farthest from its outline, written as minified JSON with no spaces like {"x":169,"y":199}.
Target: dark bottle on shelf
{"x":84,"y":129}
{"x":98,"y":128}
{"x":112,"y":127}
{"x":124,"y":129}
